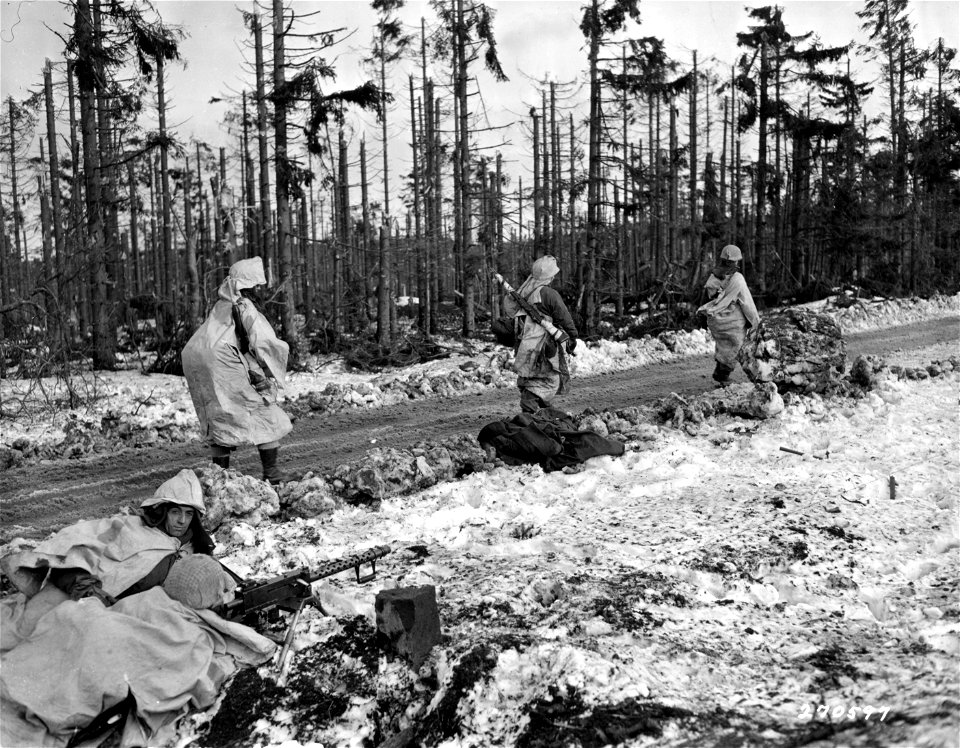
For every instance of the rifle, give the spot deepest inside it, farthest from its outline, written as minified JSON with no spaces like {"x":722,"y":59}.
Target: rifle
{"x":556,"y":333}
{"x":290,"y":590}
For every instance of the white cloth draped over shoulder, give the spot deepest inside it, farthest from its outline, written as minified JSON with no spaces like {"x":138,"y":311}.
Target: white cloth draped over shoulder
{"x":729,"y":314}
{"x":231,"y":411}
{"x":730,"y":290}
{"x":118,"y":551}
{"x":83,"y":658}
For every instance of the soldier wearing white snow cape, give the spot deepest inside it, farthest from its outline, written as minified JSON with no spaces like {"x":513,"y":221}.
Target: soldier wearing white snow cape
{"x":730,"y":312}
{"x":119,"y":618}
{"x":539,"y":361}
{"x":234,"y":363}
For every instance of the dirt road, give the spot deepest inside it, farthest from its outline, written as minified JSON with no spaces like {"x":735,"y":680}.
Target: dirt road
{"x":42,"y":497}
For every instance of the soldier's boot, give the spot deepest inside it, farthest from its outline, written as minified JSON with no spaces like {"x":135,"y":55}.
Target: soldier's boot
{"x":220,"y":455}
{"x":271,"y":472}
{"x":722,"y":373}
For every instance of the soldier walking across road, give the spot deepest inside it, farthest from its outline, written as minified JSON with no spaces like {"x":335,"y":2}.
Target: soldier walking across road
{"x":730,"y":311}
{"x":234,"y":364}
{"x":540,"y":361}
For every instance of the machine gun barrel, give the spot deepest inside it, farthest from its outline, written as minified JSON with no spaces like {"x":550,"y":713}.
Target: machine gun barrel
{"x":287,"y":591}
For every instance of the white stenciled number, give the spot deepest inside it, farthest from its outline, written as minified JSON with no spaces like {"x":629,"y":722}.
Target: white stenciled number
{"x":806,"y":712}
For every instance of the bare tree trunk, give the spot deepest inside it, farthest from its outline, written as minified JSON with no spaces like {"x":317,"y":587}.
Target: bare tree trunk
{"x":306,"y":268}
{"x":545,"y":192}
{"x":537,"y":203}
{"x":313,"y":264}
{"x":436,"y":271}
{"x":78,"y":289}
{"x":723,"y":160}
{"x":465,"y":234}
{"x":659,"y":251}
{"x":251,"y":222}
{"x":266,"y":246}
{"x":383,"y":296}
{"x":107,"y":273}
{"x":171,"y":291}
{"x":56,"y":216}
{"x":760,"y":220}
{"x":49,"y":298}
{"x":156,"y":255}
{"x":137,"y":279}
{"x":281,"y":165}
{"x":190,"y":231}
{"x":423,"y":279}
{"x":6,"y":263}
{"x":344,"y":239}
{"x":20,"y":257}
{"x":366,"y":240}
{"x":694,"y":219}
{"x":555,"y":168}
{"x":572,"y":206}
{"x":498,"y":250}
{"x":588,"y":307}
{"x":673,"y":196}
{"x":103,"y":342}
{"x":736,"y":187}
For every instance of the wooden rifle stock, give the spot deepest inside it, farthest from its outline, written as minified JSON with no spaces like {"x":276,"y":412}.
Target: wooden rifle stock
{"x":552,"y":330}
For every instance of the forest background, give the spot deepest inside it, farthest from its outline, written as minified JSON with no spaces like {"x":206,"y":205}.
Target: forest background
{"x":377,"y":154}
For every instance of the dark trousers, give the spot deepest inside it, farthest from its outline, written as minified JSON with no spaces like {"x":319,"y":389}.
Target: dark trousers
{"x":530,"y":402}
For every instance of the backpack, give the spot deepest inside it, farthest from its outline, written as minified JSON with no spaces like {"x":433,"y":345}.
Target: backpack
{"x":504,"y":331}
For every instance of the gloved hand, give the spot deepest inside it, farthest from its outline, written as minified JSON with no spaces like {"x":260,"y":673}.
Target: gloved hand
{"x":89,"y":586}
{"x":268,"y":391}
{"x":571,"y":345}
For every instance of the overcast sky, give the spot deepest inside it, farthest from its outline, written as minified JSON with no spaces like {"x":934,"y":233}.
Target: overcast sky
{"x":537,"y":39}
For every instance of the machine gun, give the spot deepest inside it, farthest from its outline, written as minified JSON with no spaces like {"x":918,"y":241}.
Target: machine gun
{"x":292,"y":592}
{"x":288,"y":591}
{"x":552,"y":330}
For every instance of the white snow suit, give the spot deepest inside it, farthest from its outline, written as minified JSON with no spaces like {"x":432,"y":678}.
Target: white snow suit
{"x":539,"y":361}
{"x":231,"y":411}
{"x":729,"y":315}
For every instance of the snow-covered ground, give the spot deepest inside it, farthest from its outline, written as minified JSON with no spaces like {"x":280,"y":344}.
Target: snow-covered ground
{"x":36,"y":412}
{"x":699,"y":590}
{"x":704,"y":587}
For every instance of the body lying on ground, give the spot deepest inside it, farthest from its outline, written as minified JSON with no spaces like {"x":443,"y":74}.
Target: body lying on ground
{"x":548,"y":438}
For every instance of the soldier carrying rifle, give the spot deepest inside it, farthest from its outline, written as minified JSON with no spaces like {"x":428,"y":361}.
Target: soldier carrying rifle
{"x":544,"y":328}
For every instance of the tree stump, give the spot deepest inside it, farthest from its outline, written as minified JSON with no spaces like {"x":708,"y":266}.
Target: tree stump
{"x":798,"y":350}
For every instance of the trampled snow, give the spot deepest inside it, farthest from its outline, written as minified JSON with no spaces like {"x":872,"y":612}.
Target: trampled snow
{"x":715,"y":575}
{"x":738,"y":562}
